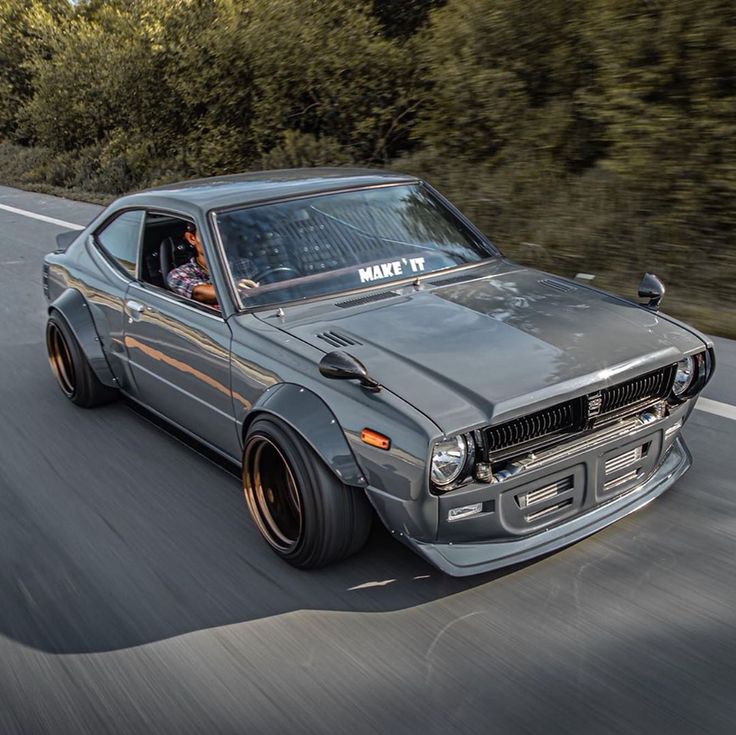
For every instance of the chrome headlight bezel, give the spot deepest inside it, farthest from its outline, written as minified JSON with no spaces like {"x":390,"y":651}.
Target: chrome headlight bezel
{"x":458,"y":451}
{"x":704,"y":365}
{"x":686,"y":371}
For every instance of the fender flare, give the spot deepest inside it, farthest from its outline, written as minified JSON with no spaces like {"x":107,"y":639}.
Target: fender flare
{"x":74,"y":309}
{"x":306,"y":413}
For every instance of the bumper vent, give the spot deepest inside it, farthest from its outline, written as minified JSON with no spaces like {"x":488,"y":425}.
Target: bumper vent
{"x":531,"y":517}
{"x":533,"y":497}
{"x":619,"y":481}
{"x":623,"y":460}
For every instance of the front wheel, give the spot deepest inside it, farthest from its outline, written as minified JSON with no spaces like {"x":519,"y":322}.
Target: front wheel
{"x":307,"y":516}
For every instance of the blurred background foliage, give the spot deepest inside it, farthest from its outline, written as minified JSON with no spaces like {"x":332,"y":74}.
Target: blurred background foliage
{"x":581,"y":135}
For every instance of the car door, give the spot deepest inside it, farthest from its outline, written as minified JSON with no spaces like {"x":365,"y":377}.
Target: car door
{"x":179,"y":355}
{"x":112,"y":249}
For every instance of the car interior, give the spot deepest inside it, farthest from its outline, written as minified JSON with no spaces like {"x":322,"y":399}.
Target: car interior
{"x":164,"y":248}
{"x":302,"y":242}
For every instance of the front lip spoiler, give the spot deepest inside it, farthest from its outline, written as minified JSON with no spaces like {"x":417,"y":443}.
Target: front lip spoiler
{"x":462,"y":560}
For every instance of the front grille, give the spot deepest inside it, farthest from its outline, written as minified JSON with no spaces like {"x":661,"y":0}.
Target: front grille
{"x":646,"y":387}
{"x":552,"y":425}
{"x":564,"y":418}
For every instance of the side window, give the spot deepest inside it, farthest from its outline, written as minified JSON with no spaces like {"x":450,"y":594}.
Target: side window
{"x":120,"y":240}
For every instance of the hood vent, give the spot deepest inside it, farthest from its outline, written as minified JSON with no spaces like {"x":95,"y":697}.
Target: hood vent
{"x":361,"y":300}
{"x":335,"y":339}
{"x":557,"y":285}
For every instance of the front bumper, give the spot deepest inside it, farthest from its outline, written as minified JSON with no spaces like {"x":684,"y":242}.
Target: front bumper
{"x":463,"y":559}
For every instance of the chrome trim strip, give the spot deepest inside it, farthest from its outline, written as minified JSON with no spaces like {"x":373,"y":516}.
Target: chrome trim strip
{"x":547,"y":511}
{"x":621,"y":480}
{"x":534,"y":461}
{"x":544,"y":493}
{"x":623,"y":460}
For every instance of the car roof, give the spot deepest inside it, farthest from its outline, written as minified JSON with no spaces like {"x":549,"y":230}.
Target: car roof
{"x":228,"y":191}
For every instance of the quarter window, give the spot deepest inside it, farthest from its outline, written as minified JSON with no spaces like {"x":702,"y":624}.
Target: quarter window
{"x":120,"y":240}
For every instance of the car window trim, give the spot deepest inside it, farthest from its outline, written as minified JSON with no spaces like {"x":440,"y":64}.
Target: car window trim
{"x":101,"y":253}
{"x":182,"y":301}
{"x":240,"y":308}
{"x":109,"y":257}
{"x":186,"y":218}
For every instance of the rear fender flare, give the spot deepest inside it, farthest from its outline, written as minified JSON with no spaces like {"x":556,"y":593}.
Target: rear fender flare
{"x":74,"y":309}
{"x":306,"y":413}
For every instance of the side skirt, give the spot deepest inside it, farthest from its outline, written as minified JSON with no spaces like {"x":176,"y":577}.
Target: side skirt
{"x":211,"y":453}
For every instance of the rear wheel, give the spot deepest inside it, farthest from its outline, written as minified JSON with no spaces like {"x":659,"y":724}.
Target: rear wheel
{"x":307,"y":516}
{"x":71,"y":367}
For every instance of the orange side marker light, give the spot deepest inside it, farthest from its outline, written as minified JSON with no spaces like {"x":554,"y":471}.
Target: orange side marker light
{"x":375,"y":439}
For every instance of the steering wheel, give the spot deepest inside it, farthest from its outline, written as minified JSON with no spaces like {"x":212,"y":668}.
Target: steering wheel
{"x":275,"y":273}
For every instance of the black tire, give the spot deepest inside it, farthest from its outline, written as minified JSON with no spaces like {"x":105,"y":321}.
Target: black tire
{"x":307,"y":516}
{"x":71,"y":367}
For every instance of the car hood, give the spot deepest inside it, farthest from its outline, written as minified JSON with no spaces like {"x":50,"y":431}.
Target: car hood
{"x":507,"y":342}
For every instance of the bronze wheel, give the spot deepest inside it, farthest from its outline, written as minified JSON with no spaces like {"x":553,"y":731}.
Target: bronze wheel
{"x":271,"y":494}
{"x":308,"y":517}
{"x":60,"y":358}
{"x":70,"y":366}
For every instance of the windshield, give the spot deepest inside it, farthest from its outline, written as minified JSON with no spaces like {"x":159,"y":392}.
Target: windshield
{"x":324,"y":244}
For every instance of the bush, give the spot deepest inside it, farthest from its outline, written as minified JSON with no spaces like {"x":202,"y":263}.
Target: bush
{"x":592,"y":135}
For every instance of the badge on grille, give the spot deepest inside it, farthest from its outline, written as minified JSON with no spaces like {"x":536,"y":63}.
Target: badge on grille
{"x":595,"y":400}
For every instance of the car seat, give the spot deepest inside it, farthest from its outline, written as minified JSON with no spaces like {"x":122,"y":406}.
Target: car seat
{"x":174,"y":252}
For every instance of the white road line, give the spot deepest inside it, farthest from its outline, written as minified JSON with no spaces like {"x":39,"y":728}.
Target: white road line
{"x":42,"y":217}
{"x":719,"y":409}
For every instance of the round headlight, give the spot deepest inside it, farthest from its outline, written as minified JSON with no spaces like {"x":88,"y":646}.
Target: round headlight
{"x":448,"y":460}
{"x":684,"y":375}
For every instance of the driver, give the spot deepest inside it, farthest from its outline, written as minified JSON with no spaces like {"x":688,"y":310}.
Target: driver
{"x":192,"y":279}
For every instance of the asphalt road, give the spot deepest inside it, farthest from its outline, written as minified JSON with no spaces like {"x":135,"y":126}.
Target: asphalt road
{"x":135,"y":595}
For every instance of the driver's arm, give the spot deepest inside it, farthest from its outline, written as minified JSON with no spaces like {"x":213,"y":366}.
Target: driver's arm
{"x":204,"y":292}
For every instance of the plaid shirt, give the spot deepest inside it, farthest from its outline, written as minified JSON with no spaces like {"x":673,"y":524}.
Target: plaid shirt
{"x":183,"y":279}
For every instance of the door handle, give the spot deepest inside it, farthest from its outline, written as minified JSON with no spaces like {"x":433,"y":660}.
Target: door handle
{"x":134,"y":309}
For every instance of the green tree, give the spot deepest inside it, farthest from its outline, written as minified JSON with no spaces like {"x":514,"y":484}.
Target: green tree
{"x":322,"y":67}
{"x":27,"y":30}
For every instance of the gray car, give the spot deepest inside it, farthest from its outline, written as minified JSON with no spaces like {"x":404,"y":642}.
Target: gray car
{"x":369,"y":352}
